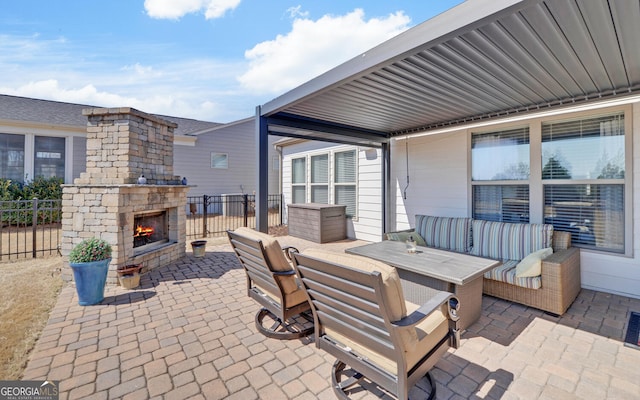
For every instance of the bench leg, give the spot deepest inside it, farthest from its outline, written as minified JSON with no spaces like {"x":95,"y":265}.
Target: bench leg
{"x":283,"y":330}
{"x":340,"y":387}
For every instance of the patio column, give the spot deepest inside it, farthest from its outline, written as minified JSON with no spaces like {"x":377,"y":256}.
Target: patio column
{"x":262,"y":185}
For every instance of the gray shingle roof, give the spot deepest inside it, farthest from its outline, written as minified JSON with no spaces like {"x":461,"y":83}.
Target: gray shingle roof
{"x":58,"y":113}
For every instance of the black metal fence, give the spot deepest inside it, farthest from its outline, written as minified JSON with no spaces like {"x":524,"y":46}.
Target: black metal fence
{"x":33,"y":228}
{"x":30,"y":228}
{"x":209,"y":216}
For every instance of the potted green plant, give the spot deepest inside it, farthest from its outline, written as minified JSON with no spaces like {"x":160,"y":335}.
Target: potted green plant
{"x":89,"y":261}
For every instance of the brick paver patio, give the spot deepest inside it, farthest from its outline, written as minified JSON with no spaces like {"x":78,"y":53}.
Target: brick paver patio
{"x":188,"y":333}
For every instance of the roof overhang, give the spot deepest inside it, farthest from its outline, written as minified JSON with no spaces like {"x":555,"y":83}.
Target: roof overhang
{"x":479,"y":61}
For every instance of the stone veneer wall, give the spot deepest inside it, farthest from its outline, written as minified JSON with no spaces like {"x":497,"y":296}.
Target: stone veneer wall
{"x":107,"y":212}
{"x":122,"y":143}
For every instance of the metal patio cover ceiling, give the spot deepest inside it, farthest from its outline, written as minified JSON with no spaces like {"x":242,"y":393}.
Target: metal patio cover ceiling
{"x":482,"y":59}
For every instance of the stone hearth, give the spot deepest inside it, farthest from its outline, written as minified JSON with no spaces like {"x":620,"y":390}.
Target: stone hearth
{"x":122,"y":144}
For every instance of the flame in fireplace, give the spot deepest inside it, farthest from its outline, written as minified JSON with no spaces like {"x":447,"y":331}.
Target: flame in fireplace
{"x":143,"y":231}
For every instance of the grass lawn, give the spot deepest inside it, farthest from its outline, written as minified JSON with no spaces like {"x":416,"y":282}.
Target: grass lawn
{"x":29,"y":290}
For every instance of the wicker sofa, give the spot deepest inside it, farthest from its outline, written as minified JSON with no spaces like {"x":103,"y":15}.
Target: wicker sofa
{"x":553,"y":290}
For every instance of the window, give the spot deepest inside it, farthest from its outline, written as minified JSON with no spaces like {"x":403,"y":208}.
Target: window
{"x":581,"y":166}
{"x":583,"y":170}
{"x":506,"y":203}
{"x":332,"y":179}
{"x":219,"y":160}
{"x":500,"y":156}
{"x":12,"y":157}
{"x":298,"y":180}
{"x":49,"y":156}
{"x":345,"y":180}
{"x":499,"y":166}
{"x":320,"y":179}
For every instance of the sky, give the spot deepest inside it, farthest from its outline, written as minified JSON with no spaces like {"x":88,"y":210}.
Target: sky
{"x":212,"y":60}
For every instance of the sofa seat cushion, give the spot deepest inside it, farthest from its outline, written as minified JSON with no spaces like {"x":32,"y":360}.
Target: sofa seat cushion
{"x":448,"y":233}
{"x":505,"y":241}
{"x":275,"y":256}
{"x":506,"y":272}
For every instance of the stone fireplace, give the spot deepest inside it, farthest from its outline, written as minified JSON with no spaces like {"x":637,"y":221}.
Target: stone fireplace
{"x":149,"y":230}
{"x":145,"y":223}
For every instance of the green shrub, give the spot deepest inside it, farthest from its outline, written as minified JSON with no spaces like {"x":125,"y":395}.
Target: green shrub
{"x":92,"y":249}
{"x":42,"y":188}
{"x":16,"y":207}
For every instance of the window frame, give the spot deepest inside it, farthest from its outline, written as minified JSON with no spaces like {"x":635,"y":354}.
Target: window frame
{"x":42,"y":151}
{"x":226,"y":158}
{"x":499,"y":183}
{"x":299,"y":184}
{"x":326,"y":184}
{"x":353,"y":184}
{"x":331,"y":175}
{"x":535,"y":182}
{"x":20,"y":161}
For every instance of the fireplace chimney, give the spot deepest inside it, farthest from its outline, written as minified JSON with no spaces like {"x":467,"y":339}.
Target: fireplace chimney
{"x":123,"y":144}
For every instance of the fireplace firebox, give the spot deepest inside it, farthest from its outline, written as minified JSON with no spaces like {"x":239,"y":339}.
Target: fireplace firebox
{"x":150,"y":228}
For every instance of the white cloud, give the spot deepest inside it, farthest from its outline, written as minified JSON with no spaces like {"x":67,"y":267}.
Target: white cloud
{"x":173,"y":9}
{"x":314,"y":47}
{"x":296,"y":11}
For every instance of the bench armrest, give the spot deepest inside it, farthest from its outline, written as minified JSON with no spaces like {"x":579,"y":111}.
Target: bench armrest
{"x":287,"y":250}
{"x":440,"y":298}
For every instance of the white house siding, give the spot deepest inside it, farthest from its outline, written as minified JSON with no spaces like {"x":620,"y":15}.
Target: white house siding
{"x":367,"y":225}
{"x":238,"y":142}
{"x":437,"y":177}
{"x":439,"y":185}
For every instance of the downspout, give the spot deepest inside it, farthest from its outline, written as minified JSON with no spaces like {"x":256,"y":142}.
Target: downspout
{"x":386,"y":187}
{"x":278,"y":150}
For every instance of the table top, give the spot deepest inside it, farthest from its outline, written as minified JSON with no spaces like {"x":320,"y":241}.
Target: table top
{"x":444,"y":265}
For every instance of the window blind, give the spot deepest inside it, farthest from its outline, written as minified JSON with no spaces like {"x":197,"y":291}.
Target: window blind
{"x":298,"y":170}
{"x":49,"y":156}
{"x":345,"y":180}
{"x":500,"y":155}
{"x":590,"y":148}
{"x":592,"y":213}
{"x":505,"y":203}
{"x":12,"y":156}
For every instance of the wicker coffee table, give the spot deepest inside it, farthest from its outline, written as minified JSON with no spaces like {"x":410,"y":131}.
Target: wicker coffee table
{"x":433,"y":269}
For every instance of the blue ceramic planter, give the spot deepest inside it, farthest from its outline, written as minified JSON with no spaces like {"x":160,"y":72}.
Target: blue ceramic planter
{"x":90,"y":278}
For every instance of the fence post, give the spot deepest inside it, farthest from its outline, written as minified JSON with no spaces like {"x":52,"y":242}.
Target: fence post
{"x":281,"y":209}
{"x":245,"y":206}
{"x":205,"y":204}
{"x":34,"y":226}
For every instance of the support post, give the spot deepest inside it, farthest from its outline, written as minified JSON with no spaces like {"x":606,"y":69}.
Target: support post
{"x":262,"y":185}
